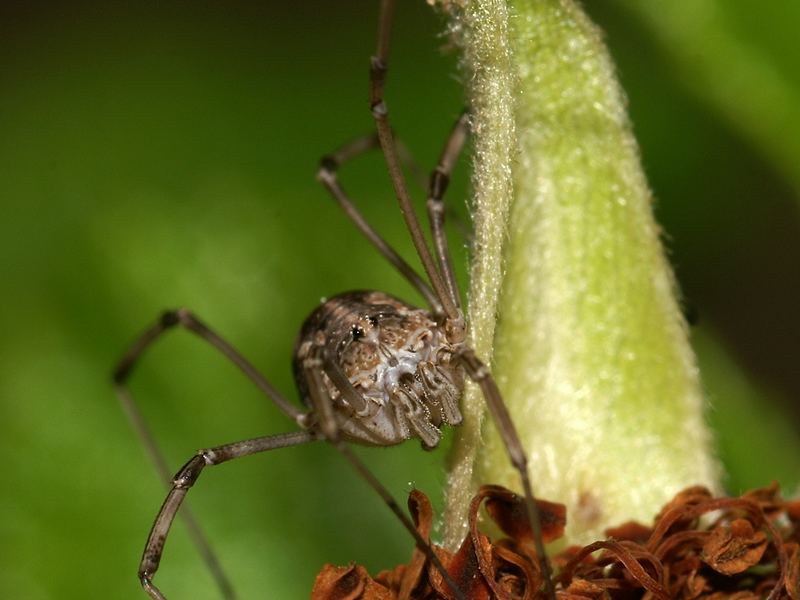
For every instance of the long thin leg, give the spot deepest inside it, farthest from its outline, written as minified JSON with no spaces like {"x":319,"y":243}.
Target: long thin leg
{"x":327,"y":175}
{"x":436,"y":183}
{"x":439,"y":180}
{"x":169,"y":320}
{"x":330,"y":430}
{"x":185,"y":479}
{"x":378,"y":68}
{"x":480,"y":374}
{"x":188,"y":320}
{"x":366,"y":143}
{"x":196,"y":534}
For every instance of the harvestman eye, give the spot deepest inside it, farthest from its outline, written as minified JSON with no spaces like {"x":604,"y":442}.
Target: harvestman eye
{"x":404,"y":380}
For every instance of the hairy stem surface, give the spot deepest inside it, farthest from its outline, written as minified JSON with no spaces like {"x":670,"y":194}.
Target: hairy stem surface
{"x":572,"y":299}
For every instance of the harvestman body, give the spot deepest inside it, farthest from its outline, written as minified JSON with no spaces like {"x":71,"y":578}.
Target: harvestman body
{"x":370,"y":369}
{"x":401,"y":379}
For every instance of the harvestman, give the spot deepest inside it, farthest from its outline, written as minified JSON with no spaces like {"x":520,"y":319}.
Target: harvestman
{"x":370,"y":369}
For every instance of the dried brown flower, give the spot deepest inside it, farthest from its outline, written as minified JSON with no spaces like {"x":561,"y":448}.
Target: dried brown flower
{"x":698,"y":548}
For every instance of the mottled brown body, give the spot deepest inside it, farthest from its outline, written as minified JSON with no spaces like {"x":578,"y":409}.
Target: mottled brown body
{"x":395,"y":358}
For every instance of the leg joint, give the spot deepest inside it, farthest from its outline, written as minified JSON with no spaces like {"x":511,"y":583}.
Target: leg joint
{"x":170,"y":318}
{"x":121,"y":373}
{"x":438,"y":184}
{"x":328,"y":165}
{"x":210,"y":457}
{"x":377,"y":66}
{"x":379,"y":110}
{"x":518,"y":459}
{"x":190,"y":472}
{"x":331,"y":433}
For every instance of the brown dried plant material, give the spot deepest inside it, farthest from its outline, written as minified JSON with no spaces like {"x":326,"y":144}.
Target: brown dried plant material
{"x":734,"y":548}
{"x":349,"y":583}
{"x":792,"y":575}
{"x":698,"y":548}
{"x":507,"y":570}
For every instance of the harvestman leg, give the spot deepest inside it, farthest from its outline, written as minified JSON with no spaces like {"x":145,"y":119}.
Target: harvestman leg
{"x":185,"y":479}
{"x":437,"y":185}
{"x":186,"y":319}
{"x":474,"y":367}
{"x":439,"y":180}
{"x":378,"y":68}
{"x":328,"y":176}
{"x":329,"y":428}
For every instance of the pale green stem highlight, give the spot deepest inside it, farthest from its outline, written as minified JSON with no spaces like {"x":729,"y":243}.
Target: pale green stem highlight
{"x":589,"y":348}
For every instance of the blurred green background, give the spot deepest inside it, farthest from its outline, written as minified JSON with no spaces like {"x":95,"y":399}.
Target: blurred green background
{"x":159,"y":154}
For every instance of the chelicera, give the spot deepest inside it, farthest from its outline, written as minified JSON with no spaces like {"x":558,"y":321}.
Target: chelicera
{"x":370,"y":369}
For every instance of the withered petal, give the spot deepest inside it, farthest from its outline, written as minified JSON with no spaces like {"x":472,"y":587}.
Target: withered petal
{"x":583,"y":588}
{"x":630,"y":557}
{"x":792,"y":508}
{"x":681,"y":543}
{"x":791,"y":577}
{"x":463,"y":568}
{"x":422,"y":513}
{"x":734,"y":548}
{"x":515,"y":573}
{"x":631,"y":530}
{"x":681,"y":516}
{"x":687,"y":497}
{"x":392,"y":578}
{"x":694,"y":585}
{"x":348,"y":583}
{"x":510,"y":512}
{"x":768,"y":498}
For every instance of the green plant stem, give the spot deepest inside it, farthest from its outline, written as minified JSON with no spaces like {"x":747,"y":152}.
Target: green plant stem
{"x":589,"y":348}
